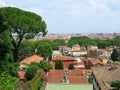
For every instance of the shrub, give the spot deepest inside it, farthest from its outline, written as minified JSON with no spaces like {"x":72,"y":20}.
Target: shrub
{"x":71,"y":67}
{"x":58,"y":64}
{"x":46,"y":66}
{"x":31,"y":70}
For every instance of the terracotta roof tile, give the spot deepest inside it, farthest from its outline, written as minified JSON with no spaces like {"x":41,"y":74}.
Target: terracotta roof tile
{"x":21,"y":75}
{"x":105,"y":74}
{"x":78,"y":79}
{"x":74,"y":76}
{"x":33,"y":58}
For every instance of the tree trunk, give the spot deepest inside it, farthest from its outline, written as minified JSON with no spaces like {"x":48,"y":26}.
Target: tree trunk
{"x":16,"y":48}
{"x":16,"y":55}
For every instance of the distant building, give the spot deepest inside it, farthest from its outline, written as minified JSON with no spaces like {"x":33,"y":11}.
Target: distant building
{"x":63,"y":50}
{"x":105,"y":60}
{"x":90,"y":47}
{"x":104,"y":75}
{"x":76,"y":47}
{"x":78,"y":53}
{"x":56,"y":53}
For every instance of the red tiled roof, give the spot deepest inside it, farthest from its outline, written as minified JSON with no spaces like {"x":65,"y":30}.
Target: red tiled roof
{"x":21,"y":75}
{"x":78,"y":72}
{"x":74,"y":76}
{"x":55,"y":72}
{"x":63,"y":58}
{"x":55,"y":79}
{"x":72,"y":79}
{"x":78,"y":79}
{"x":33,"y":58}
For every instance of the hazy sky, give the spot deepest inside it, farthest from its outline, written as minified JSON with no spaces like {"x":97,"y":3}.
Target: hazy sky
{"x":74,"y":16}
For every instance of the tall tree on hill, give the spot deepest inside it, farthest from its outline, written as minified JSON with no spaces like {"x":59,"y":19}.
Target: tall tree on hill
{"x":21,"y":23}
{"x":5,"y":45}
{"x":115,"y":55}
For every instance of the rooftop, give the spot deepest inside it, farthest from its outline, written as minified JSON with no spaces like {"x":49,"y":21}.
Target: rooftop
{"x":33,"y":58}
{"x":106,"y":74}
{"x":74,"y":76}
{"x":21,"y":75}
{"x":95,"y":61}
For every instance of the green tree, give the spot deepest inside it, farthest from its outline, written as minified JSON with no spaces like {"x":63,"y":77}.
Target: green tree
{"x":43,"y":49}
{"x":46,"y":66}
{"x":39,"y":81}
{"x":31,"y":70}
{"x":21,"y":23}
{"x":29,"y":35}
{"x":58,"y":64}
{"x":82,"y":41}
{"x":11,"y":68}
{"x":3,"y":24}
{"x":5,"y":47}
{"x":27,"y":49}
{"x":71,"y":67}
{"x":116,"y":41}
{"x":90,"y":79}
{"x":115,"y":55}
{"x":115,"y":84}
{"x":56,"y":43}
{"x":7,"y":82}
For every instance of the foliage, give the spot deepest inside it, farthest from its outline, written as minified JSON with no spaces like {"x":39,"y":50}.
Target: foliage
{"x":56,"y":43}
{"x":27,"y":49}
{"x":46,"y":66}
{"x":90,"y":79}
{"x":116,"y":41}
{"x":11,"y":68}
{"x":115,"y":55}
{"x":43,"y":49}
{"x":7,"y":82}
{"x":38,"y":81}
{"x":71,"y":66}
{"x":3,"y":24}
{"x":58,"y":64}
{"x":21,"y":23}
{"x":82,"y":41}
{"x":33,"y":67}
{"x":29,"y":35}
{"x":104,"y":43}
{"x":86,"y":55}
{"x":115,"y":84}
{"x":31,"y":70}
{"x":85,"y":41}
{"x":5,"y":47}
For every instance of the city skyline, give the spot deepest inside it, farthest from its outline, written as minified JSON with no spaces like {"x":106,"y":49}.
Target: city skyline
{"x":74,"y":16}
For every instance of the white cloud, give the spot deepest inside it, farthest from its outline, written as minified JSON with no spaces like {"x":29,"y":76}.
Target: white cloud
{"x":36,"y":10}
{"x":2,"y":4}
{"x":60,"y":13}
{"x":98,"y":4}
{"x":89,"y":8}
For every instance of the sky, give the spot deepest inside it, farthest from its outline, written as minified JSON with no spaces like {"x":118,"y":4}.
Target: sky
{"x":73,"y":16}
